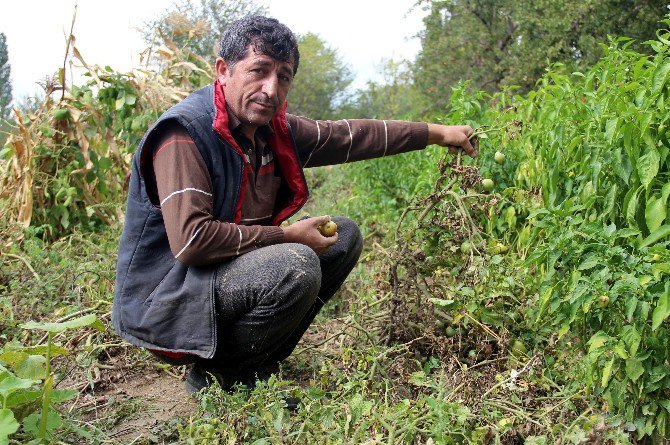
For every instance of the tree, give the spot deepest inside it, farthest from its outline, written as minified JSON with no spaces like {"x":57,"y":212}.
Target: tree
{"x":199,"y":27}
{"x":394,"y":97}
{"x":498,"y":43}
{"x":319,"y":88}
{"x":5,"y":81}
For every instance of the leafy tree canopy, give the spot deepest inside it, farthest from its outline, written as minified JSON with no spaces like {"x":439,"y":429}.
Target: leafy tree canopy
{"x":393,"y":97}
{"x":198,"y":27}
{"x":498,"y":43}
{"x":5,"y":81}
{"x":321,"y":82}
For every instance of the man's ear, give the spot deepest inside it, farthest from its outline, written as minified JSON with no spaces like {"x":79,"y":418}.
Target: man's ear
{"x":222,"y":70}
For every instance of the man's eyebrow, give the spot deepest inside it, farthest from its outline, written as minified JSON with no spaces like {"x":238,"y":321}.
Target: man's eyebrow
{"x":282,"y":69}
{"x":286,"y":71}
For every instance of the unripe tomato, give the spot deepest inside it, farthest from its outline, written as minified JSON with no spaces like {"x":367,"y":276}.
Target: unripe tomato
{"x":518,"y":347}
{"x":603,"y":301}
{"x":465,"y":247}
{"x":328,"y":229}
{"x":487,"y":183}
{"x":60,"y":114}
{"x":499,"y":157}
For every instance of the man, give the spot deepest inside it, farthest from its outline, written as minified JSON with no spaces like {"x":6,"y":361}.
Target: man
{"x":205,"y":274}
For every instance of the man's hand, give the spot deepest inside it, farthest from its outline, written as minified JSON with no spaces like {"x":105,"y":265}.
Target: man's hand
{"x":306,"y":232}
{"x":456,"y":137}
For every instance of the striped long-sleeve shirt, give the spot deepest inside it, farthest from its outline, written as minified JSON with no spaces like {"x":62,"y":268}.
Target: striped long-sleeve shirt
{"x":183,"y":189}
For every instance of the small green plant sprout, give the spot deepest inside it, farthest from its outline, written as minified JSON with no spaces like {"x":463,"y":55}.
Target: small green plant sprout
{"x":28,"y":395}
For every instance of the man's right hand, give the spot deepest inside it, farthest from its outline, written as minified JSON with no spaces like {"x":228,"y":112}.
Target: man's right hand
{"x":306,"y":232}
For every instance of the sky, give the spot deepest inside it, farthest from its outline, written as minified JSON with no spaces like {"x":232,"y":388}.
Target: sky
{"x":363,"y":32}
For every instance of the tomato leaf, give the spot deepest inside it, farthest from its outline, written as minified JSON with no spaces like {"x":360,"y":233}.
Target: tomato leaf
{"x":647,"y":167}
{"x":662,"y":309}
{"x":632,"y":207}
{"x":634,"y":369}
{"x":656,"y":235}
{"x":655,"y":212}
{"x":660,"y":77}
{"x":607,"y":372}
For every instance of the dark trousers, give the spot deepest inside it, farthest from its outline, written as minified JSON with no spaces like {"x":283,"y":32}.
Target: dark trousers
{"x":266,"y":299}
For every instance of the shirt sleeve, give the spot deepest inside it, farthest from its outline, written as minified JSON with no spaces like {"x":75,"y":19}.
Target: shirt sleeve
{"x":185,"y":197}
{"x":347,"y":140}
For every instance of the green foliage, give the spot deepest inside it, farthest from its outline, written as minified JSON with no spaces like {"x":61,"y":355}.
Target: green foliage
{"x":29,"y":398}
{"x":582,"y":204}
{"x":394,"y":97}
{"x":320,"y":83}
{"x":65,"y":164}
{"x":497,"y":43}
{"x":5,"y":80}
{"x":197,"y":28}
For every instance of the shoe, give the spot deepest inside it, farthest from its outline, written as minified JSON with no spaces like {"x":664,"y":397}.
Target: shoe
{"x":200,"y":377}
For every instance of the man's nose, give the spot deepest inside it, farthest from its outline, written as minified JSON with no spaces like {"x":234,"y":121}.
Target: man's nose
{"x":270,"y":86}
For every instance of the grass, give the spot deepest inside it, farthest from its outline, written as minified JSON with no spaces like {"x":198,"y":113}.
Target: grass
{"x":355,"y":385}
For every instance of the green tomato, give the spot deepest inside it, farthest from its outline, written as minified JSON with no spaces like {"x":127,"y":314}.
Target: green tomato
{"x":487,"y":183}
{"x":465,"y":247}
{"x":603,"y":301}
{"x":60,"y":114}
{"x":499,"y":157}
{"x":518,"y":347}
{"x":450,"y":331}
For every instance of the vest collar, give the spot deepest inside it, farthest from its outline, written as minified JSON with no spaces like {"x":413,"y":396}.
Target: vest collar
{"x":285,"y":154}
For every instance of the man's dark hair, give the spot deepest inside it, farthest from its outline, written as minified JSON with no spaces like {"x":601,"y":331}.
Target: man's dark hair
{"x":265,"y":35}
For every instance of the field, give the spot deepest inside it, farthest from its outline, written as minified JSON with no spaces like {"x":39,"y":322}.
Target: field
{"x":521,"y":298}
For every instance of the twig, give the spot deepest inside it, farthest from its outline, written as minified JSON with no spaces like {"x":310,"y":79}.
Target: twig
{"x":513,"y":376}
{"x":70,"y":316}
{"x":484,"y":327}
{"x":25,"y":261}
{"x":67,"y":52}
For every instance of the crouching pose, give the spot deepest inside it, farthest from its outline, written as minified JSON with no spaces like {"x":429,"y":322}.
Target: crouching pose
{"x":206,"y":275}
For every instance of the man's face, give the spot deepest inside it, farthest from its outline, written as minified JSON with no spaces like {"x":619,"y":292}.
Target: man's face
{"x":255,"y":88}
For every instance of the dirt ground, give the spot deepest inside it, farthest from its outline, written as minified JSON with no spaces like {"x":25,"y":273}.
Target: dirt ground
{"x":131,"y":400}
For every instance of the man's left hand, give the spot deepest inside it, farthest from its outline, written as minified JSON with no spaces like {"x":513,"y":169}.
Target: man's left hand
{"x":456,"y":137}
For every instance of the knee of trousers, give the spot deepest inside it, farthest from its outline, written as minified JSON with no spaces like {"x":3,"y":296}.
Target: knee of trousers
{"x":298,"y":268}
{"x":350,"y":235}
{"x":276,"y":275}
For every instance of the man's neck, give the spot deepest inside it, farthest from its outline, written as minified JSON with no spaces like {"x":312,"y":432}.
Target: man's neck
{"x":249,"y":131}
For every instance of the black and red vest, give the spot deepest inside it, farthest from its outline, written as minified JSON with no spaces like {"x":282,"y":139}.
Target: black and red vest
{"x":159,"y":302}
